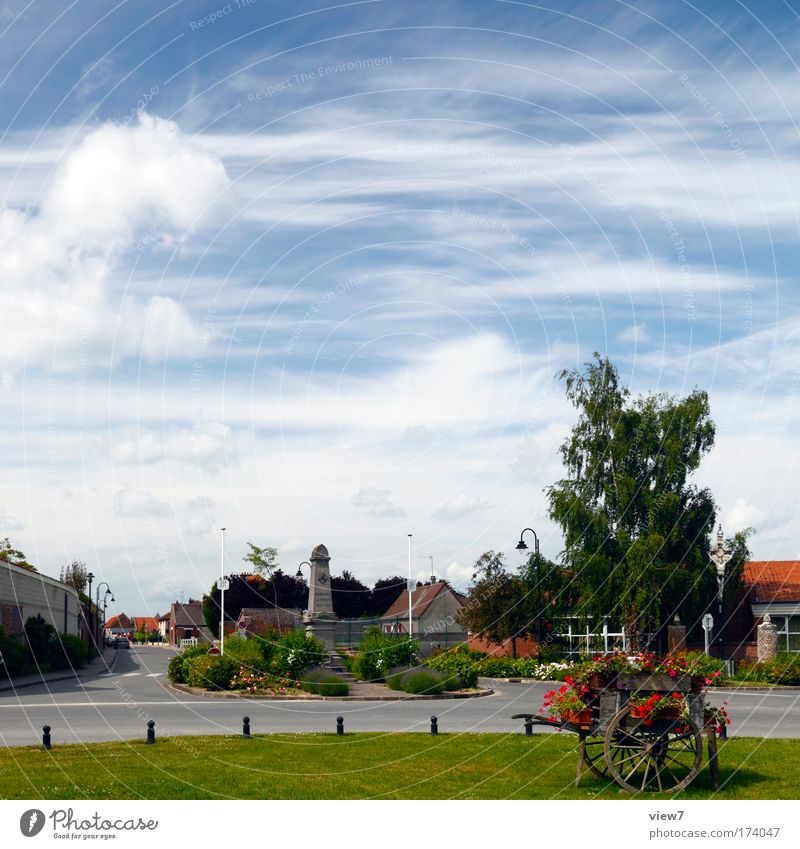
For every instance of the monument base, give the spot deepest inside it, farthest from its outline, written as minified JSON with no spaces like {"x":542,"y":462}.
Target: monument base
{"x":324,"y":630}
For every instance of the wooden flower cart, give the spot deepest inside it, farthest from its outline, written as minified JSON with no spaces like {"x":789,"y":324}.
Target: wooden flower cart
{"x":660,"y":751}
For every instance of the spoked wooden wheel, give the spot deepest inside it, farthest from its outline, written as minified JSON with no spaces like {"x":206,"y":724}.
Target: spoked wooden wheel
{"x":663,"y":756}
{"x":594,"y":757}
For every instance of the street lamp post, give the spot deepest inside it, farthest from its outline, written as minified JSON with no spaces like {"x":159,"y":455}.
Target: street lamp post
{"x":97,"y":606}
{"x":521,"y":546}
{"x":720,"y":554}
{"x":222,"y":582}
{"x":410,"y":589}
{"x":90,"y":578}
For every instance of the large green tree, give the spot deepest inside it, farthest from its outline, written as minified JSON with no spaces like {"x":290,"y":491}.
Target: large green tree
{"x":500,"y":604}
{"x":636,"y":529}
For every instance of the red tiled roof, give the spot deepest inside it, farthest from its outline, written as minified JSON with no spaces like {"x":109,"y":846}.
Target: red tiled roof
{"x":121,"y":621}
{"x":773,"y":580}
{"x":421,"y":599}
{"x":150,"y":623}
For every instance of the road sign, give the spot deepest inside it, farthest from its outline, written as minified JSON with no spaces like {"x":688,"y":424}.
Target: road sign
{"x":225,"y":584}
{"x":708,"y":621}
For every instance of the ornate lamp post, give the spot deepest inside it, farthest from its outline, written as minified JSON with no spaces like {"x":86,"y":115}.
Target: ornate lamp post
{"x":720,"y":554}
{"x":97,"y":605}
{"x":90,"y":578}
{"x":521,"y":546}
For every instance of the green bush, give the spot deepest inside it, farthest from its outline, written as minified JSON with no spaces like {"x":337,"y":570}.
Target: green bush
{"x":246,"y":653}
{"x":14,"y":655}
{"x":701,"y":664}
{"x":211,"y":671}
{"x":74,"y":650}
{"x":324,"y":683}
{"x":176,"y":668}
{"x":295,"y":652}
{"x":460,"y":668}
{"x":381,"y":652}
{"x":420,"y":681}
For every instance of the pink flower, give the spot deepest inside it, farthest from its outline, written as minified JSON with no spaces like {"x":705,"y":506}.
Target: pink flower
{"x":672,"y":673}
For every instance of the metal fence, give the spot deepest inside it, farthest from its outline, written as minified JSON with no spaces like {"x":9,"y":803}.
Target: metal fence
{"x":578,"y":640}
{"x":350,"y":632}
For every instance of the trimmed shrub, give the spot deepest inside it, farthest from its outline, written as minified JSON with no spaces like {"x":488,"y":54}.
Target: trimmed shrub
{"x":14,"y":655}
{"x":246,"y":653}
{"x":211,"y":671}
{"x":297,"y":651}
{"x":74,"y":650}
{"x":324,"y":683}
{"x":784,"y":669}
{"x":420,"y":681}
{"x":176,"y":668}
{"x":381,"y":652}
{"x":460,"y":668}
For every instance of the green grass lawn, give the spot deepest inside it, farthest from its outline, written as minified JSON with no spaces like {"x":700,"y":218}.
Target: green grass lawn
{"x":363,"y":766}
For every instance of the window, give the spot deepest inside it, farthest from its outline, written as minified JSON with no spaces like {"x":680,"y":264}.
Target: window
{"x":788,"y":633}
{"x":187,"y":633}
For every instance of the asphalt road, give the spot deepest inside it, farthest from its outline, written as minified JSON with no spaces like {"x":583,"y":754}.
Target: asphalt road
{"x":117,"y":705}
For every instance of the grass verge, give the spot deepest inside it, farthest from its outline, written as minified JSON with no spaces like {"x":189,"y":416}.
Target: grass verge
{"x":364,"y":766}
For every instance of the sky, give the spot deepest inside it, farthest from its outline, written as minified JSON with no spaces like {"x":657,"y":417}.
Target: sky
{"x":307,"y":271}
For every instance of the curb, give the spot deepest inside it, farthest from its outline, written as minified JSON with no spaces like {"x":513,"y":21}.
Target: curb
{"x":311,"y":697}
{"x":65,"y":675}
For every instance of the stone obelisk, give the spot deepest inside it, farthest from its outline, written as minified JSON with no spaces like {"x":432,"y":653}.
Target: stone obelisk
{"x":320,"y":619}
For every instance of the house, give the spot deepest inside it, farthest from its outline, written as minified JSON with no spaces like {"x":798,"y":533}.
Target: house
{"x":120,"y":626}
{"x":768,"y":587}
{"x":434,"y":606}
{"x":258,"y":619}
{"x":163,"y":627}
{"x":145,"y":624}
{"x":187,"y":625}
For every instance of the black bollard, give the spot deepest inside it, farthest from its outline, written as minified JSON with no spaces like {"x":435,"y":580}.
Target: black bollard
{"x":529,"y":728}
{"x":151,"y":731}
{"x":434,"y":726}
{"x":246,"y":726}
{"x":339,"y":726}
{"x":46,"y":736}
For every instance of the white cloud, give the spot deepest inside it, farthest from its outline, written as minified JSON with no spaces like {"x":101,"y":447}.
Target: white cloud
{"x":56,"y":264}
{"x":198,"y":515}
{"x":460,"y":505}
{"x":139,"y":504}
{"x":210,"y":445}
{"x":9,"y":523}
{"x":376,"y":502}
{"x":458,"y":574}
{"x":742,"y":515}
{"x":635,"y":333}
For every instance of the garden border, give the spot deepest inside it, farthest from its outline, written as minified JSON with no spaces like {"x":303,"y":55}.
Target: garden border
{"x":400,"y":697}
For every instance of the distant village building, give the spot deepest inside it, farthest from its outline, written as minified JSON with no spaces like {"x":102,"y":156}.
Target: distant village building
{"x":258,"y":619}
{"x":187,"y":625}
{"x":120,"y":626}
{"x":434,"y":606}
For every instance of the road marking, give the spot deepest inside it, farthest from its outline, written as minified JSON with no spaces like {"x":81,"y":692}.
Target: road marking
{"x":154,"y":674}
{"x":130,"y":674}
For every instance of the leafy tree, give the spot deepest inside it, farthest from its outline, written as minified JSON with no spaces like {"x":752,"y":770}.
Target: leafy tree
{"x":351,"y":598}
{"x":500,"y":604}
{"x":636,"y":529}
{"x":263,"y":560}
{"x":74,"y":576}
{"x":385,"y":592}
{"x":248,"y":590}
{"x":9,"y":554}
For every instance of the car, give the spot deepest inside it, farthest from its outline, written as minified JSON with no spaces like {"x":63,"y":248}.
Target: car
{"x":122,"y":643}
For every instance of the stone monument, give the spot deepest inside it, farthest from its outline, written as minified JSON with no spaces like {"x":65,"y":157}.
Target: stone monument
{"x":676,"y":636}
{"x":320,"y":619}
{"x":766,"y":640}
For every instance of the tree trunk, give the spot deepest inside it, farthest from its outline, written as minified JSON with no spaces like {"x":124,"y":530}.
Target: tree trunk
{"x":514,"y":646}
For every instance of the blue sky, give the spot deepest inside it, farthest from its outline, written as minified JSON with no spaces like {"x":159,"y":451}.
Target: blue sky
{"x":307,"y":270}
